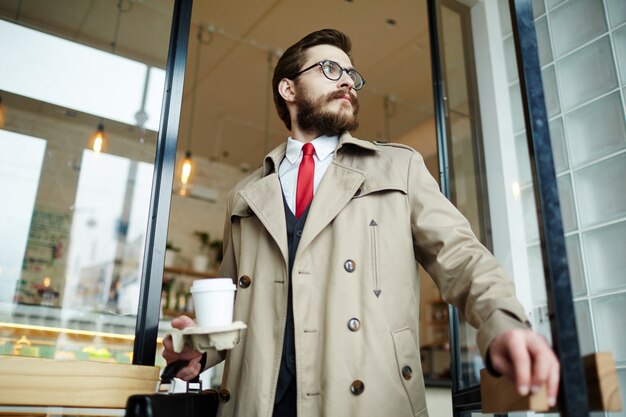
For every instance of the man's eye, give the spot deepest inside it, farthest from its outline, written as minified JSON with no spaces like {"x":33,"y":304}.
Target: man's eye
{"x":330,"y":69}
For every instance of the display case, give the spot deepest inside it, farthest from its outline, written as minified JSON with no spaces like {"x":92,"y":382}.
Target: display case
{"x":70,"y":334}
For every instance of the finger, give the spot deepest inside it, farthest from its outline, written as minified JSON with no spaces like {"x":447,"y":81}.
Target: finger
{"x":168,"y":344}
{"x":553,"y":383}
{"x":543,"y":361}
{"x":182,"y":322}
{"x":520,"y":359}
{"x":502,"y":364}
{"x":190,"y":371}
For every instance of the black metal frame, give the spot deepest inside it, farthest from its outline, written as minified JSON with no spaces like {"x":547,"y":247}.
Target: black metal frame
{"x":146,"y":330}
{"x":573,"y":392}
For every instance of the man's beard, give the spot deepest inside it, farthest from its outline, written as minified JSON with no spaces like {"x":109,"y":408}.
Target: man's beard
{"x":313,"y":118}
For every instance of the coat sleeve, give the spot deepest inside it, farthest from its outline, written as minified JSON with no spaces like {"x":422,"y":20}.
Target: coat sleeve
{"x":466,"y":273}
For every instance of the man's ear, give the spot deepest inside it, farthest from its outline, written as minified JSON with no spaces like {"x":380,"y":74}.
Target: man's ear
{"x":286,"y":88}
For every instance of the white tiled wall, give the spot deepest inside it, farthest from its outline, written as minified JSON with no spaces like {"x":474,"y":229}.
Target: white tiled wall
{"x":582,"y":49}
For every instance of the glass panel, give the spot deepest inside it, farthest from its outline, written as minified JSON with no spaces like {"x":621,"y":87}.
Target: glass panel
{"x":77,"y":156}
{"x":584,"y":327}
{"x":535,"y":270}
{"x":573,"y":72}
{"x":604,"y":256}
{"x":505,"y":17}
{"x":596,"y":130}
{"x":619,"y":39}
{"x":575,"y":260}
{"x":616,"y":11}
{"x":541,"y":322}
{"x":510,"y":59}
{"x":559,"y":150}
{"x":601,"y":191}
{"x":621,"y":373}
{"x":566,"y":196}
{"x":575,"y":23}
{"x":539,"y":8}
{"x":543,"y":41}
{"x":523,"y":163}
{"x":530,"y":215}
{"x":554,"y":3}
{"x":611,"y":335}
{"x":516,"y":111}
{"x":551,"y":91}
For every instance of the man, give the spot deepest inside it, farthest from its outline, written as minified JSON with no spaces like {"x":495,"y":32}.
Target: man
{"x":327,"y":288}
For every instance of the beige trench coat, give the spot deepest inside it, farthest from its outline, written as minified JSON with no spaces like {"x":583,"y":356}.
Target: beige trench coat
{"x":375,"y":212}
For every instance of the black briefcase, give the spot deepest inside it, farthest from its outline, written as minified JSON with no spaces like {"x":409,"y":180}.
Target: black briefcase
{"x":193,"y":403}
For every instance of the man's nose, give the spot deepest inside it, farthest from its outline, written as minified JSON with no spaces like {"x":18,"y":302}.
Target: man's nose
{"x":346,"y":81}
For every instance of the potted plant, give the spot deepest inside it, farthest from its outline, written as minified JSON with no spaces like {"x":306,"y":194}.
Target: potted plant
{"x":201,"y":260}
{"x":217,"y":246}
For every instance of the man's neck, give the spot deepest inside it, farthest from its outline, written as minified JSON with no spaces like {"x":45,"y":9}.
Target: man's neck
{"x":305,"y":137}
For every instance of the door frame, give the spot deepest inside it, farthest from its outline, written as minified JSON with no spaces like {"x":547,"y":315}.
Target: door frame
{"x":147,"y":325}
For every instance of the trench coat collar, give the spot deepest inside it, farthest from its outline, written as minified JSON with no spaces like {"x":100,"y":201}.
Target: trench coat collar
{"x":273,"y":159}
{"x":340,"y":183}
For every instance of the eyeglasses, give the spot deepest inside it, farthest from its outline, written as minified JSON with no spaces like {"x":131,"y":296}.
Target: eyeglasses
{"x":333,"y":71}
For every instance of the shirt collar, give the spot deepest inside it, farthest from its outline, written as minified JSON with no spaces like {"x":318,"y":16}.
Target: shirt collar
{"x":276,"y":155}
{"x":324,"y":146}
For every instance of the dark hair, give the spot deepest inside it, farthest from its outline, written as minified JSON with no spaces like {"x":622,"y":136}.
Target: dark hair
{"x":293,"y":59}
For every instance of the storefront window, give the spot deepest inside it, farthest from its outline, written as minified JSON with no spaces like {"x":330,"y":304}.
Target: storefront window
{"x":82,"y":93}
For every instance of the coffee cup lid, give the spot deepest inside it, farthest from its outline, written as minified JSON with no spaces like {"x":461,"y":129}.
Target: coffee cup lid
{"x":213,"y":284}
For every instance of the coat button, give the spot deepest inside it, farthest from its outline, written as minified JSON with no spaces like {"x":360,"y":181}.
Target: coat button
{"x":349,"y":265}
{"x":224,"y":395}
{"x":299,"y":233}
{"x":354,"y":324}
{"x":245,"y":281}
{"x":357,"y":387}
{"x":407,"y":372}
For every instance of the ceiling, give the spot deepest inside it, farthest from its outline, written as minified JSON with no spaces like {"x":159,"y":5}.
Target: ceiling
{"x":234,"y":119}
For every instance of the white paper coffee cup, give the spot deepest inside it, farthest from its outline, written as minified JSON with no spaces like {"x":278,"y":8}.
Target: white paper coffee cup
{"x":213,"y":300}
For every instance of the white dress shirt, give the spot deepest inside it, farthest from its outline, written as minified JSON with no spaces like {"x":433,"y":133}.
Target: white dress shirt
{"x":288,"y":169}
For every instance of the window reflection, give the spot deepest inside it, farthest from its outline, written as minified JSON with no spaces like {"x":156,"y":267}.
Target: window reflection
{"x":21,"y":158}
{"x":108,"y":234}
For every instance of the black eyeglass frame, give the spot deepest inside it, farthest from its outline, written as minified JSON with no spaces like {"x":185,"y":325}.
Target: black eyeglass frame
{"x":346,"y":70}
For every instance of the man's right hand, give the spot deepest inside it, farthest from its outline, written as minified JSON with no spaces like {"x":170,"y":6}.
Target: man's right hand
{"x":193,"y":356}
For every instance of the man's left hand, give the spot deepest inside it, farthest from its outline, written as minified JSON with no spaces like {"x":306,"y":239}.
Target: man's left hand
{"x":526,"y":358}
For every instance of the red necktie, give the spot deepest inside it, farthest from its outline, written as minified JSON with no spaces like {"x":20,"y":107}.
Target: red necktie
{"x":306,"y":175}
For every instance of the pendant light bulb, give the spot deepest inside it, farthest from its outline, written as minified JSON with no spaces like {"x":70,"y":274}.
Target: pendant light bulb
{"x":186,"y":173}
{"x":99,"y":140}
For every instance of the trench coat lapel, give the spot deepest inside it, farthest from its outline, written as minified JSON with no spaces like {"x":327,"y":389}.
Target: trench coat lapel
{"x":265,"y":198}
{"x":337,"y":188}
{"x":339,"y":185}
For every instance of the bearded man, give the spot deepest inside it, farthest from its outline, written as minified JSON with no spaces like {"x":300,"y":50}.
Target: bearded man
{"x":322,"y":242}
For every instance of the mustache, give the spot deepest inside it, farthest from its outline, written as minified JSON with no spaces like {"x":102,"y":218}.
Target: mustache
{"x":340,"y":93}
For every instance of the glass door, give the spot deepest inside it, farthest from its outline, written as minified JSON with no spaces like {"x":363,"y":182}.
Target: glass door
{"x":461,"y":161}
{"x":82,"y":93}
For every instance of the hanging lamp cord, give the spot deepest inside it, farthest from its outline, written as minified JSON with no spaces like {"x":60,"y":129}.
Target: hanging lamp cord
{"x":200,"y":41}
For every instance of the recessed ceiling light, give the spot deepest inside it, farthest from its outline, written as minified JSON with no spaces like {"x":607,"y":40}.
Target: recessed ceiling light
{"x":391,"y":22}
